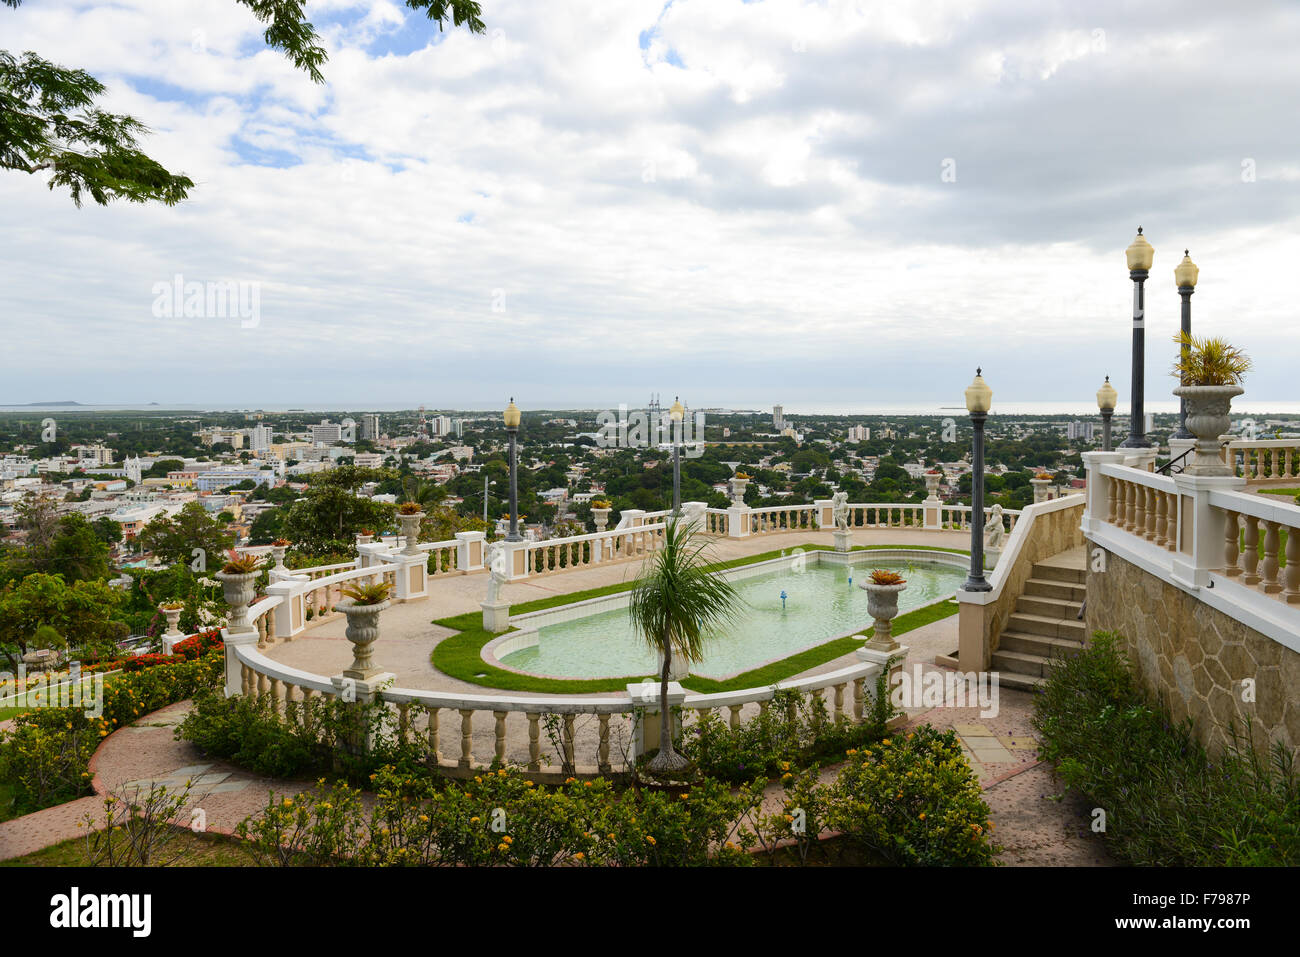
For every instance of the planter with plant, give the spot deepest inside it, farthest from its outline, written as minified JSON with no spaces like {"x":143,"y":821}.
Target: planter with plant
{"x":739,"y":482}
{"x":238,"y":579}
{"x":363,"y":605}
{"x":171,"y":610}
{"x":410,"y":515}
{"x":600,"y":509}
{"x":278,"y":549}
{"x":883,"y":588}
{"x":1210,"y":371}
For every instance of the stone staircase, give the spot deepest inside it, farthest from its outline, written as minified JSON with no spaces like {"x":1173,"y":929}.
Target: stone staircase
{"x":1044,"y":627}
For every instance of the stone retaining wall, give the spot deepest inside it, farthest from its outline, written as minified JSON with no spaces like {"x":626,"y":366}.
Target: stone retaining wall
{"x":1196,"y":659}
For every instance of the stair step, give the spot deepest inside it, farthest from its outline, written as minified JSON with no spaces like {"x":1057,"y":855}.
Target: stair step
{"x":1018,"y":682}
{"x":1060,"y":573}
{"x":1052,"y":588}
{"x":1021,"y":663}
{"x":1045,"y":625}
{"x":1048,"y":607}
{"x":1042,"y":645}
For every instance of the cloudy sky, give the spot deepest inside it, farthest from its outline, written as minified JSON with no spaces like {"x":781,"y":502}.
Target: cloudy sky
{"x":817,"y":203}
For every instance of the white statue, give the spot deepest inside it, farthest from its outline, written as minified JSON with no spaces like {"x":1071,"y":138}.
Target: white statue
{"x":996,"y":534}
{"x":495,"y":560}
{"x":840,"y":510}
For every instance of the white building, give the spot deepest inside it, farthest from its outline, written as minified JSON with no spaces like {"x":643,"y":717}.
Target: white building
{"x":370,"y":426}
{"x":859,"y":433}
{"x":327,"y":433}
{"x":260,"y":437}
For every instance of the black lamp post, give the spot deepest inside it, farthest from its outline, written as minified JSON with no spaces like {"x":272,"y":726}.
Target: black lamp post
{"x":1185,"y":276}
{"x":1140,"y":256}
{"x":512,"y":429}
{"x":978,"y":399}
{"x":1106,"y":399}
{"x":676,"y":413}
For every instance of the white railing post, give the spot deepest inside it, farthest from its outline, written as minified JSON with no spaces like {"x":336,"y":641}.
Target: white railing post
{"x":825,"y":513}
{"x":738,"y":521}
{"x":412,"y":576}
{"x":290,"y":616}
{"x":469,"y":551}
{"x":1203,"y":551}
{"x":516,"y":560}
{"x":1097,"y":494}
{"x":645,"y":695}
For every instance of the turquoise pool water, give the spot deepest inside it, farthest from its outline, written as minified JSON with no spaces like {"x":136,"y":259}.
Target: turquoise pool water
{"x":820,"y":605}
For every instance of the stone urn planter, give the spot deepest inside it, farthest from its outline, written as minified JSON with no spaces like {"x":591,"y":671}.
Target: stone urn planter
{"x":882,"y":605}
{"x":173,"y":616}
{"x":363,"y":629}
{"x":601,"y":517}
{"x":738,"y":486}
{"x":365,"y":539}
{"x":1040,"y":489}
{"x":277,"y":555}
{"x":239,"y":590}
{"x":1208,"y":417}
{"x":410,"y":531}
{"x":932,"y":486}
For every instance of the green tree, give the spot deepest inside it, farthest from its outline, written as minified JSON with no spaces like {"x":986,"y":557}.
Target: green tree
{"x":173,"y":539}
{"x":50,"y":123}
{"x":675,"y":604}
{"x":79,"y":614}
{"x":64,"y":545}
{"x":328,"y":517}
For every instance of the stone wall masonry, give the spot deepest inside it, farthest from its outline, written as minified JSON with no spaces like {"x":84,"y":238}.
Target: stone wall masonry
{"x":1195,"y":659}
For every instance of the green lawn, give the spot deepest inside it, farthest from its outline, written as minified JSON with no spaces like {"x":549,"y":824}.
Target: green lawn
{"x":460,"y":655}
{"x":195,"y":850}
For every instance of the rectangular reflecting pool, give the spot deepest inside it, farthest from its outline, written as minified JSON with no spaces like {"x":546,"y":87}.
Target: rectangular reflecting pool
{"x":820,"y":605}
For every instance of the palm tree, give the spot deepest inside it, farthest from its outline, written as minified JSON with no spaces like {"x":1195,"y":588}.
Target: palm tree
{"x":675,"y":604}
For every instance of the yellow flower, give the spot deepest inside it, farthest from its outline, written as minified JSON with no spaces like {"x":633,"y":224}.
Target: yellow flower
{"x":579,"y":856}
{"x":508,"y":839}
{"x":612,"y":838}
{"x":503,"y":847}
{"x":473,"y":820}
{"x":650,"y":839}
{"x":885,"y":742}
{"x":529,"y":783}
{"x":922,"y":815}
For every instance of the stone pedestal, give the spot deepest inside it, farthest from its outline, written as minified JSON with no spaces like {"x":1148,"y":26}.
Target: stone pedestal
{"x":234,"y":671}
{"x":991,"y":556}
{"x":361,"y":691}
{"x":645,"y":696}
{"x":1201,"y":545}
{"x":738,"y":520}
{"x":496,"y":615}
{"x":412,"y":576}
{"x":470,"y":548}
{"x":843,"y":540}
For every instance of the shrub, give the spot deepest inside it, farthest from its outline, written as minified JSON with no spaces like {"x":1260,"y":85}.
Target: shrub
{"x":46,"y":757}
{"x":913,"y":799}
{"x":1167,"y":800}
{"x":501,"y":818}
{"x":883,"y":576}
{"x":794,"y":731}
{"x":248,"y":731}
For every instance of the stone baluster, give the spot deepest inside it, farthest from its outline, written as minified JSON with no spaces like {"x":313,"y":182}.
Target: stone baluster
{"x":534,"y":743}
{"x":434,"y":748}
{"x":602,"y":753}
{"x":261,"y":684}
{"x":275,"y":696}
{"x":735,"y":716}
{"x":245,"y":680}
{"x":1139,"y":510}
{"x":500,"y":729}
{"x":1161,"y":518}
{"x":466,"y":738}
{"x":858,"y":703}
{"x":1292,"y":593}
{"x":307,"y":695}
{"x":1231,"y":544}
{"x":1251,"y":557}
{"x":403,"y":721}
{"x":839,"y":699}
{"x":1270,"y":583}
{"x":567,"y":740}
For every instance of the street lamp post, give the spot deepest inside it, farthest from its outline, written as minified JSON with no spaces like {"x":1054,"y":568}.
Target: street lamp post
{"x":512,"y":429}
{"x":1106,"y":399}
{"x":676,"y":413}
{"x":978,"y":399}
{"x":1140,"y":256}
{"x":1185,"y":276}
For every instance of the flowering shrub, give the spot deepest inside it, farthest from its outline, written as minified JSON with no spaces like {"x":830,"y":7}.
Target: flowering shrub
{"x":141,"y":662}
{"x":196,"y":646}
{"x":502,"y":818}
{"x":913,"y":799}
{"x":46,"y":757}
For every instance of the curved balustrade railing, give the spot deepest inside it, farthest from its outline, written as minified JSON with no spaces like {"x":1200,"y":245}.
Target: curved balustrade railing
{"x":451,"y":720}
{"x":1265,"y":460}
{"x":581,"y":551}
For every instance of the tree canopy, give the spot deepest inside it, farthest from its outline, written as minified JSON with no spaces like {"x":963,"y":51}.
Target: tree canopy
{"x":50,"y":123}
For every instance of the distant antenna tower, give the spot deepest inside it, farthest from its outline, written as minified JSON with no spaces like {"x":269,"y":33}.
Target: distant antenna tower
{"x":423,"y":428}
{"x":653,"y":410}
